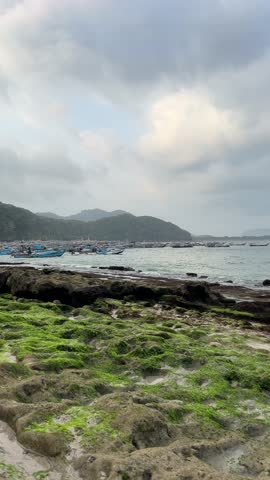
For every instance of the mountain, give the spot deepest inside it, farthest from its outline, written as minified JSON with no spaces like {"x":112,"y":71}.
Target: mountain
{"x":49,"y":215}
{"x":85,"y":215}
{"x":129,"y":227}
{"x":260,"y":232}
{"x":94,"y":214}
{"x":20,"y":224}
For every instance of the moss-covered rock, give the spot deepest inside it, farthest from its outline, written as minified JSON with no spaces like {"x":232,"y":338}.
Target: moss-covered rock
{"x":121,"y":377}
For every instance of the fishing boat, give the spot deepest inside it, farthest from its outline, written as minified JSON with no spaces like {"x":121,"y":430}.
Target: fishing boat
{"x":102,"y":251}
{"x":110,"y":251}
{"x":115,"y":251}
{"x":48,"y":254}
{"x":218,"y":245}
{"x":6,"y":251}
{"x":182,"y":245}
{"x":258,"y":244}
{"x":40,"y":254}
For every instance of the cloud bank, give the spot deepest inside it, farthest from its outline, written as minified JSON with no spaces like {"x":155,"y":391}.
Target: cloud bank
{"x":157,"y":107}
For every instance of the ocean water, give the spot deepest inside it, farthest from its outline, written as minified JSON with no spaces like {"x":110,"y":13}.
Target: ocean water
{"x":244,"y":265}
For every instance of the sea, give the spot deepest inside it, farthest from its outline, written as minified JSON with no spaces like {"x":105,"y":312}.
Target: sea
{"x":242,"y":265}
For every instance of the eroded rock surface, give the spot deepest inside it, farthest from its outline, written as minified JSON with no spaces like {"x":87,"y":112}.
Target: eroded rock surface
{"x":128,"y":381}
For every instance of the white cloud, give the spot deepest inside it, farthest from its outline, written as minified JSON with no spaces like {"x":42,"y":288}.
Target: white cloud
{"x":185,"y":128}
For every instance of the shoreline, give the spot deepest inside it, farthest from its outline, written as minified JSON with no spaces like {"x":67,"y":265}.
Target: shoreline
{"x":130,"y":274}
{"x":243,"y":268}
{"x":106,"y":282}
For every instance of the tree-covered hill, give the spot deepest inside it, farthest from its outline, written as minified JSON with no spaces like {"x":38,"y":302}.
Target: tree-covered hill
{"x":89,"y":215}
{"x":20,"y":224}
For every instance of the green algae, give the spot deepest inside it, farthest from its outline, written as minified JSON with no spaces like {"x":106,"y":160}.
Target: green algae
{"x":41,"y":475}
{"x":10,"y":472}
{"x":221,"y":371}
{"x":231,"y":312}
{"x":94,"y":426}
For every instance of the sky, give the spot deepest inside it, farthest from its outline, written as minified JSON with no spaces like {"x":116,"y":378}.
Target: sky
{"x":156,"y":107}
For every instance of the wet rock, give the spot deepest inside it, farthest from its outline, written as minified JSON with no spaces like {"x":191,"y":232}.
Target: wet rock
{"x":4,"y":275}
{"x":141,"y":292}
{"x":10,"y":412}
{"x":266,"y":283}
{"x":88,"y":295}
{"x":49,"y":444}
{"x":28,"y":388}
{"x":160,"y":463}
{"x":78,"y":289}
{"x":146,"y":427}
{"x":120,"y":268}
{"x":191,"y":274}
{"x":196,"y":292}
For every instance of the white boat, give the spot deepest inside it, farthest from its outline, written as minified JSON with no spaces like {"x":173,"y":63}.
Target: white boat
{"x":114,"y":251}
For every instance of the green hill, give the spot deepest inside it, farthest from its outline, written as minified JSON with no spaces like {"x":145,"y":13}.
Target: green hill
{"x":85,"y":215}
{"x":49,"y":215}
{"x":20,"y":224}
{"x":94,"y":214}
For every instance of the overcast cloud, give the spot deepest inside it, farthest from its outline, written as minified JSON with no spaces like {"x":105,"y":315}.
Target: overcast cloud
{"x":157,"y":107}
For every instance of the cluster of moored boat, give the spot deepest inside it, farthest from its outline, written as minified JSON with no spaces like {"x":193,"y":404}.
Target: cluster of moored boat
{"x":41,"y":251}
{"x":233,"y":244}
{"x":47,"y":250}
{"x":215,"y":244}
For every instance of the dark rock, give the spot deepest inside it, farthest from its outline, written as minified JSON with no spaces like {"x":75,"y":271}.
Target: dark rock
{"x":266,"y":283}
{"x":4,"y":274}
{"x":87,"y":295}
{"x":120,"y":268}
{"x":228,"y":301}
{"x":47,"y":271}
{"x":196,"y":292}
{"x":191,"y":274}
{"x":78,"y":289}
{"x":141,"y":292}
{"x":203,"y":276}
{"x":173,"y":300}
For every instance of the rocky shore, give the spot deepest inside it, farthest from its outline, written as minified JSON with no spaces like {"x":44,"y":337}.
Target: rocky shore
{"x":114,"y":378}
